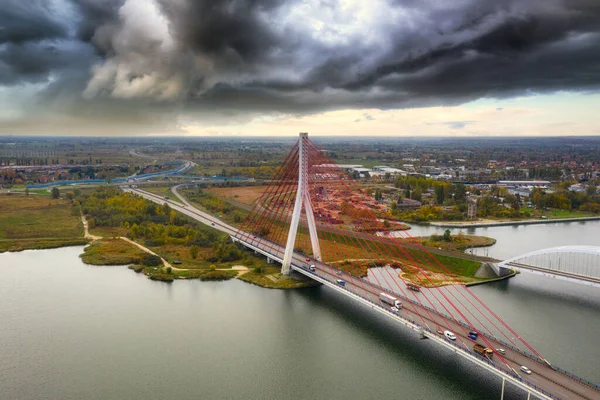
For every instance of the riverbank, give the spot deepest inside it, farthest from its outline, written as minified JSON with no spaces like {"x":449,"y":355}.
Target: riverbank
{"x":500,"y":278}
{"x":276,"y":280}
{"x":140,"y":259}
{"x":491,"y":223}
{"x":39,"y":244}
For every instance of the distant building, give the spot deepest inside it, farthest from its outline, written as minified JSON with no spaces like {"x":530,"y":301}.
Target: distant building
{"x":383,"y":169}
{"x":525,"y":183}
{"x":471,"y":208}
{"x":579,"y":188}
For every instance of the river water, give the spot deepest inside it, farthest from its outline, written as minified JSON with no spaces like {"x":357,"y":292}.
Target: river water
{"x":512,"y":241}
{"x":72,"y":331}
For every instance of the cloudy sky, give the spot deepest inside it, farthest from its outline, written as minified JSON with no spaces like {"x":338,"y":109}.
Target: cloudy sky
{"x":277,"y":67}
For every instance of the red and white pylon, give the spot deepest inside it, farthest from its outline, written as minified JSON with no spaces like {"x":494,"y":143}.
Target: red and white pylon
{"x":302,"y":201}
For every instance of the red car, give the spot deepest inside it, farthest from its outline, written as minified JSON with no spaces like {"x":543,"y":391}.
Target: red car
{"x":307,"y":259}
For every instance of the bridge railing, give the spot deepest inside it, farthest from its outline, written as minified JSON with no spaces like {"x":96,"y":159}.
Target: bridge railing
{"x":504,"y":344}
{"x":577,"y":378}
{"x":510,"y":346}
{"x":452,"y":343}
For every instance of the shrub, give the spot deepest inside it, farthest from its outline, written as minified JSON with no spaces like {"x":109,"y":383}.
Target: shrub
{"x":151,"y":260}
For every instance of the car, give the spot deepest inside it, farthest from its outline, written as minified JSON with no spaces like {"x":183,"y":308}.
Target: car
{"x":340,"y":282}
{"x":501,"y":351}
{"x":311,"y":267}
{"x":338,"y":272}
{"x":213,"y":224}
{"x":450,"y":335}
{"x":307,"y":259}
{"x":526,"y":370}
{"x":473,"y":335}
{"x":395,"y":309}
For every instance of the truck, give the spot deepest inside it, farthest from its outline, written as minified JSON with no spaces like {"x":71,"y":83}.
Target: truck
{"x":391,"y":300}
{"x":483,"y":351}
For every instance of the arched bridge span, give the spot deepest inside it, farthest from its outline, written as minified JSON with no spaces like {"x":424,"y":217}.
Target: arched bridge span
{"x":580,"y":264}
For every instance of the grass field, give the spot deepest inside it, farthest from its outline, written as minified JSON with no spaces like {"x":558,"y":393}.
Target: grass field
{"x":112,"y":252}
{"x":109,"y":231}
{"x":34,"y":222}
{"x":558,"y":214}
{"x":27,"y":217}
{"x":243,"y":194}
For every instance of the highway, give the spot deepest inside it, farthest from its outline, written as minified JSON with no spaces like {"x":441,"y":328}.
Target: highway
{"x":413,"y":314}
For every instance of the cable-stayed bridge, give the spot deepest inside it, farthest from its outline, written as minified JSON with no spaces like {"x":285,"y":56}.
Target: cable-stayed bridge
{"x":314,"y":220}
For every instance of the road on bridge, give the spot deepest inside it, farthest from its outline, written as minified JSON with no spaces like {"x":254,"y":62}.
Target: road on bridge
{"x":550,"y":380}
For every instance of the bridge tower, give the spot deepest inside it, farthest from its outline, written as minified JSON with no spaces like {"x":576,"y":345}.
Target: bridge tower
{"x":301,"y":203}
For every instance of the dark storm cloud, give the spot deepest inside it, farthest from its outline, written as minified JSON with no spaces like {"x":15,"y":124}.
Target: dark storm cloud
{"x":95,"y":13}
{"x":35,"y":61}
{"x":221,"y":27}
{"x":263,"y":56}
{"x":489,"y":49}
{"x":22,"y":21}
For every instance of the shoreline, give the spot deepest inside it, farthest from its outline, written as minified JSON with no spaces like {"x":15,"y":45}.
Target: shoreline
{"x":500,"y":278}
{"x":443,"y":224}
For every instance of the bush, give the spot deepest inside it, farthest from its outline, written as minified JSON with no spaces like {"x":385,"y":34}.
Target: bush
{"x":151,"y":260}
{"x":194,"y":251}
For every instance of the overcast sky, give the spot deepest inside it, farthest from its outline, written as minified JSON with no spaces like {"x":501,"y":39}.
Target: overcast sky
{"x":277,"y":67}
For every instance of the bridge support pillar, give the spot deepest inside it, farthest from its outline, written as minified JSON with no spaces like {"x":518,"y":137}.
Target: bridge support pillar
{"x":269,"y":260}
{"x":302,"y":200}
{"x":499,"y":269}
{"x":502,"y":393}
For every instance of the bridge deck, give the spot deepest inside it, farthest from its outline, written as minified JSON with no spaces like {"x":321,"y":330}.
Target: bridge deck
{"x":545,"y":382}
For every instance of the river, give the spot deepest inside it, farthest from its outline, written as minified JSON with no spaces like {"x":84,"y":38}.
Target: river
{"x":515,"y":240}
{"x":72,"y":331}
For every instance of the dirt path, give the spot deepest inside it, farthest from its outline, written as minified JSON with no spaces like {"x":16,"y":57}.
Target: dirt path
{"x":147,"y":250}
{"x":239,"y":268}
{"x":86,"y":231}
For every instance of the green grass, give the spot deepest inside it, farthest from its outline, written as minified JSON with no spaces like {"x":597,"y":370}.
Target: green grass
{"x":33,"y":217}
{"x":40,"y":192}
{"x":458,"y":266}
{"x":205,"y":275}
{"x":109,"y":231}
{"x":39,"y":244}
{"x":359,"y":161}
{"x":558,"y":214}
{"x":228,"y":217}
{"x":161,"y":274}
{"x":35,"y":222}
{"x":112,"y":252}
